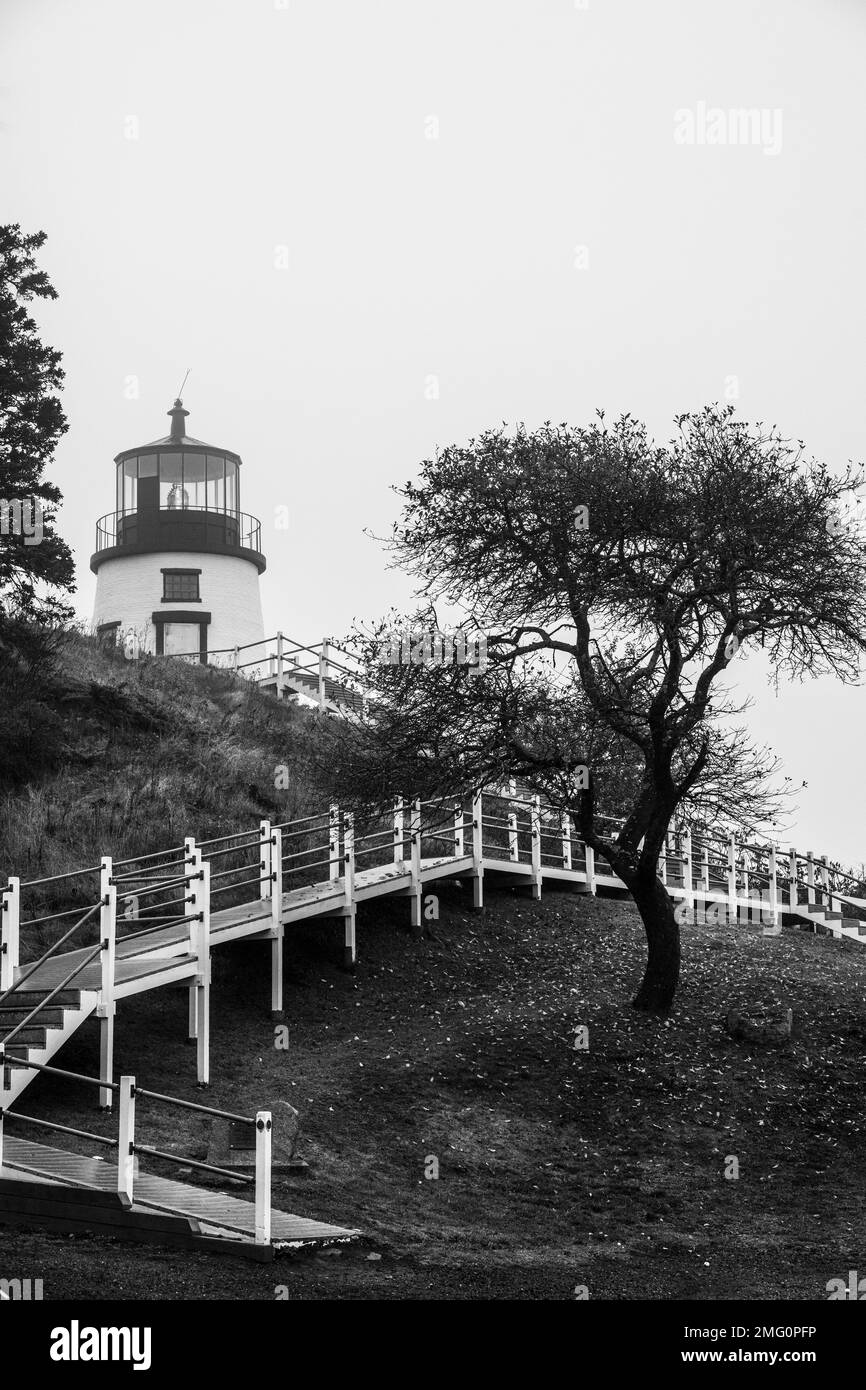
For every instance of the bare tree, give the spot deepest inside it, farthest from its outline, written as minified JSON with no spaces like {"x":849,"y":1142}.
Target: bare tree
{"x":615,"y":580}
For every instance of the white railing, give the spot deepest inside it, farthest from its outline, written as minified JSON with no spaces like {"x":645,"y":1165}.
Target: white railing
{"x":323,"y":673}
{"x":128,"y":1146}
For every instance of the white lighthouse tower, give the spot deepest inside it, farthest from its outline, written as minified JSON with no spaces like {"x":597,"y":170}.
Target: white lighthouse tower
{"x":177,"y":562}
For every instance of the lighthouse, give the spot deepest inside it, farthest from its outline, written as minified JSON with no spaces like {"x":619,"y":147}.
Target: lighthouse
{"x":177,"y":562}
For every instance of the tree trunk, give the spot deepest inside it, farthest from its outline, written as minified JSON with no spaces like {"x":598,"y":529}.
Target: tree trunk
{"x":659,"y":984}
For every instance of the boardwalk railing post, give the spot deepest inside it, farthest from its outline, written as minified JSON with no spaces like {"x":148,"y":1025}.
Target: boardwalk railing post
{"x":203,"y":980}
{"x":280,"y":667}
{"x":793,"y":898}
{"x":477,"y":851}
{"x":9,"y":929}
{"x":513,"y":845}
{"x":688,"y":870}
{"x":589,"y":858}
{"x":833,"y":903}
{"x":458,"y":830}
{"x":350,"y":953}
{"x":323,"y":671}
{"x":774,"y":886}
{"x":663,"y":861}
{"x":263,"y":1177}
{"x":747,"y":859}
{"x":566,"y":840}
{"x":810,"y":877}
{"x":266,"y":866}
{"x":732,"y":879}
{"x":277,"y":927}
{"x":334,"y":843}
{"x":705,"y":872}
{"x":399,"y":843}
{"x":191,"y":866}
{"x":126,"y":1140}
{"x":825,"y":883}
{"x":105,"y":1008}
{"x":535,"y":831}
{"x":415,"y":868}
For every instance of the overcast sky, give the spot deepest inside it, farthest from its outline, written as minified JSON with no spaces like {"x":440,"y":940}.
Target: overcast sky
{"x":372,"y":227}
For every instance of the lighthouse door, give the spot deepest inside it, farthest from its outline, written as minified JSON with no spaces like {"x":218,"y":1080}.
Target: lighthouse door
{"x":180,"y":639}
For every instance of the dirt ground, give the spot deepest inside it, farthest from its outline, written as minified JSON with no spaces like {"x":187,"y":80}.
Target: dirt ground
{"x":559,"y":1167}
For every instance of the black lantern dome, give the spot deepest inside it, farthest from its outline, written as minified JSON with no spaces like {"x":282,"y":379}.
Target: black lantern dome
{"x":178,"y":493}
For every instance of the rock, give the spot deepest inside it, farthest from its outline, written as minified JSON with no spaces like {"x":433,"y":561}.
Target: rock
{"x":762,"y":1029}
{"x":233,"y":1145}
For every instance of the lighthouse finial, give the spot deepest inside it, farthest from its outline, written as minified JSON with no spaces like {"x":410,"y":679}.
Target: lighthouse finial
{"x":179,"y":400}
{"x":178,"y":415}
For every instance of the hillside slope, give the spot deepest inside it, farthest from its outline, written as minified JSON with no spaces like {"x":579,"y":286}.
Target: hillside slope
{"x":149,"y":751}
{"x":557,"y":1167}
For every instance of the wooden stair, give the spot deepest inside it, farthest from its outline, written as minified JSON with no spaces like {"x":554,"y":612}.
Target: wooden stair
{"x":53,"y":1026}
{"x":338,"y":698}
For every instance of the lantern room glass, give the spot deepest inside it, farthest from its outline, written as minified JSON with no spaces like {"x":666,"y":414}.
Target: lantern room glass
{"x":231,"y":486}
{"x":171,"y":490}
{"x":194,"y":480}
{"x":216,"y":483}
{"x":186,"y":479}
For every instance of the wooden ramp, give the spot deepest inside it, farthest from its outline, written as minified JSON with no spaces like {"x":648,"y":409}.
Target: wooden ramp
{"x":49,"y":1187}
{"x":161,"y":916}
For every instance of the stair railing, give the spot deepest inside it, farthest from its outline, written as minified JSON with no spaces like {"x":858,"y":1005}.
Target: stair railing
{"x":128,"y":1147}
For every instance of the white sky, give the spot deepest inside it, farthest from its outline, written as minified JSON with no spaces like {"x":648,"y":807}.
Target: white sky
{"x":305,"y":125}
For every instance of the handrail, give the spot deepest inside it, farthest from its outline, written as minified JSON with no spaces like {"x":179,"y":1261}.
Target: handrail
{"x":159,"y":926}
{"x":319,"y":863}
{"x":67,"y":1129}
{"x":147,"y":876}
{"x":57,"y":1071}
{"x":218,"y":839}
{"x":53,"y":917}
{"x":319,"y":815}
{"x":48,"y":997}
{"x":191,"y":1163}
{"x":225,"y":873}
{"x":314,"y":849}
{"x":156,"y":854}
{"x":229,"y":887}
{"x":194,"y":1105}
{"x":233,"y":849}
{"x":56,"y":878}
{"x":50,"y":952}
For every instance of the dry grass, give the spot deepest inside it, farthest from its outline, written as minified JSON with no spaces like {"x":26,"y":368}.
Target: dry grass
{"x":155,"y":750}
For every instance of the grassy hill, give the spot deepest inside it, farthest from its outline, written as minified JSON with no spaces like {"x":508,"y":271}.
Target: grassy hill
{"x":558,"y":1167}
{"x":143,"y":753}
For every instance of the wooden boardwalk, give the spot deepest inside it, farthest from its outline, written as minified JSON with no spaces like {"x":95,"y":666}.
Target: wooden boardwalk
{"x":498,"y":838}
{"x":208,"y":1214}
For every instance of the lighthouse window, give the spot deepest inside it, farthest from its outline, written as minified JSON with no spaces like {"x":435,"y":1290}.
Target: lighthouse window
{"x":194,"y":479}
{"x":180,"y":586}
{"x":130,"y":474}
{"x":231,"y":486}
{"x":171,"y":493}
{"x":216,"y":483}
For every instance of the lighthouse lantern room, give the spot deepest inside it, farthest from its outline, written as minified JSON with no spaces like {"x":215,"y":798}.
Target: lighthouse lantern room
{"x":177,"y":562}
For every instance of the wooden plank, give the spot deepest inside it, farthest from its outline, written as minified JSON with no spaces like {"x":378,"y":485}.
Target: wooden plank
{"x":175,"y":1198}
